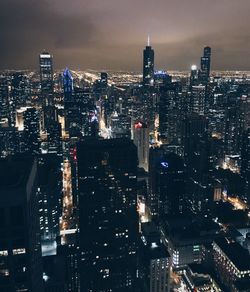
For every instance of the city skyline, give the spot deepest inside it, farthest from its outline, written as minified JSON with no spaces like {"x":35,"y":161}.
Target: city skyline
{"x":124,"y":146}
{"x":94,"y":35}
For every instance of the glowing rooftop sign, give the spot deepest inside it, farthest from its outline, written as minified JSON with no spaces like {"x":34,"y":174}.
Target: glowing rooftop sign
{"x":164,"y":164}
{"x":160,"y":72}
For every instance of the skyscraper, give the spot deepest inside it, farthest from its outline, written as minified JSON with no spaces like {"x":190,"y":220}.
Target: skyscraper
{"x":49,"y":194}
{"x":155,"y":260}
{"x":167,"y":183}
{"x":31,"y":130}
{"x":4,"y":99}
{"x":194,"y":76}
{"x":108,"y":218}
{"x":79,"y":112}
{"x":67,"y":85}
{"x":19,"y":92}
{"x":54,"y":141}
{"x":120,"y":125}
{"x":68,"y":90}
{"x":169,"y":112}
{"x":47,"y":91}
{"x":233,"y":130}
{"x":148,"y":65}
{"x":194,"y":127}
{"x":196,"y":155}
{"x":20,"y":250}
{"x":245,"y":162}
{"x":198,"y":99}
{"x":141,"y":140}
{"x":10,"y":140}
{"x":19,"y":89}
{"x":104,"y":78}
{"x":205,"y":65}
{"x":46,"y":78}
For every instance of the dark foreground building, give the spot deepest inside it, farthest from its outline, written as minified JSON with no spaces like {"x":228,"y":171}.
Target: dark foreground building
{"x":20,"y":250}
{"x":108,"y":218}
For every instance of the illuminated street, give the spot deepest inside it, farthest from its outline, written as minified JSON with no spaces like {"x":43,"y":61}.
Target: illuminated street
{"x":238,"y":203}
{"x":67,"y":212}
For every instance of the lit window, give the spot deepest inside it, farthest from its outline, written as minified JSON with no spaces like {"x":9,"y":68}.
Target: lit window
{"x":3,"y":253}
{"x":19,"y":251}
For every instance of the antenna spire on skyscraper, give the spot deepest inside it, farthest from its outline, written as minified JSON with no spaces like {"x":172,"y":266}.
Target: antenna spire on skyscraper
{"x":148,"y":40}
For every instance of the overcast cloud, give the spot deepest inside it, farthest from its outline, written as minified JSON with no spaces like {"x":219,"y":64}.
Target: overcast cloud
{"x":111,"y":34}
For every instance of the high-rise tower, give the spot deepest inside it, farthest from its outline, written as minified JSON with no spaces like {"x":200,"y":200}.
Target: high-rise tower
{"x":68,"y":90}
{"x":245,"y":162}
{"x":198,"y":99}
{"x":141,"y":140}
{"x":67,"y":85}
{"x":167,"y":183}
{"x":20,"y":249}
{"x":31,"y":130}
{"x":196,"y":156}
{"x":148,"y":65}
{"x":46,"y":78}
{"x":205,"y":65}
{"x":4,"y":98}
{"x":108,"y":218}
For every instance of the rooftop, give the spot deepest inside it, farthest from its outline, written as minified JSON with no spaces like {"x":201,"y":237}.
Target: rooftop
{"x":187,"y":229}
{"x":158,"y":252}
{"x":242,"y":285}
{"x":15,"y":171}
{"x":239,"y":256}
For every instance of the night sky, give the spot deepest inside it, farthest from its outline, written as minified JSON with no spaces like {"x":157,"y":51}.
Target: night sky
{"x":110,"y":34}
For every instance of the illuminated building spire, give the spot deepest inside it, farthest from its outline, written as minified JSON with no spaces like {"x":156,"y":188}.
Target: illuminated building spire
{"x":148,"y":65}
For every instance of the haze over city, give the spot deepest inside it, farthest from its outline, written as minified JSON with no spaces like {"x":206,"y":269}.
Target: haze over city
{"x":109,"y":34}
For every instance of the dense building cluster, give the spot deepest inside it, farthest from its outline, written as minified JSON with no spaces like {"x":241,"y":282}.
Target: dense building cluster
{"x":117,"y":182}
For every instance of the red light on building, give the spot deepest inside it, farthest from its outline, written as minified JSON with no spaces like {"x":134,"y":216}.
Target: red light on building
{"x":138,"y":125}
{"x":74,"y":154}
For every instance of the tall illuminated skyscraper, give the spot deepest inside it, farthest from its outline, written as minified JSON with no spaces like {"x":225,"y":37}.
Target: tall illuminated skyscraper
{"x":49,"y":195}
{"x":67,"y":85}
{"x":46,"y":78}
{"x":148,"y":65}
{"x":68,"y":89}
{"x":31,"y":130}
{"x":4,"y":98}
{"x":245,"y":162}
{"x":205,"y":65}
{"x":198,"y":99}
{"x":194,"y":76}
{"x":155,"y":260}
{"x":141,"y":140}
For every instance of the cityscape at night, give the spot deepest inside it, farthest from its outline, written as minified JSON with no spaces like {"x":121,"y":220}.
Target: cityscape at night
{"x":124,"y":146}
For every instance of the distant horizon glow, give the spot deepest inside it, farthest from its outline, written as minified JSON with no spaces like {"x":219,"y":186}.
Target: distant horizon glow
{"x":113,"y":35}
